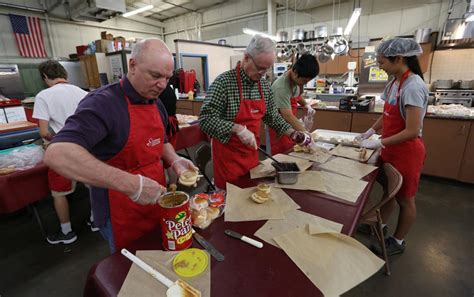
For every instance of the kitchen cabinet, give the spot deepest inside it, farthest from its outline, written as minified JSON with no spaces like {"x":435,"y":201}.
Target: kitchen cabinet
{"x":339,"y":64}
{"x":92,"y":66}
{"x":445,"y":141}
{"x":363,"y":121}
{"x":466,"y":174}
{"x":197,"y":107}
{"x":332,"y":120}
{"x":188,"y":107}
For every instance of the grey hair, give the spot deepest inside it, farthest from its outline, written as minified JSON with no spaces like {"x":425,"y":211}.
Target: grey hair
{"x":140,"y":46}
{"x":259,"y":45}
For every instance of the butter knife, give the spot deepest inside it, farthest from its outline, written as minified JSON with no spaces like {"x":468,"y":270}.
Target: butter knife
{"x":244,"y":238}
{"x":209,"y":247}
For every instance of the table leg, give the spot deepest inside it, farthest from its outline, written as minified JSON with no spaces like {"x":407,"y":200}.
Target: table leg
{"x":38,"y":218}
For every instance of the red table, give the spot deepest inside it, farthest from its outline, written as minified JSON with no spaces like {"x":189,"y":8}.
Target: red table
{"x":190,"y":136}
{"x":246,"y":271}
{"x":23,"y":187}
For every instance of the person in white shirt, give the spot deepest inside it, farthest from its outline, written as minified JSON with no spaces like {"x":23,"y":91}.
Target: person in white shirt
{"x":52,"y":108}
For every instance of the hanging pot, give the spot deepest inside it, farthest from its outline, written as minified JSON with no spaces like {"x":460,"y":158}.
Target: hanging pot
{"x":298,"y":35}
{"x":324,"y":53}
{"x":282,"y":36}
{"x":301,"y":49}
{"x":310,"y":35}
{"x":341,"y":47}
{"x":320,"y":32}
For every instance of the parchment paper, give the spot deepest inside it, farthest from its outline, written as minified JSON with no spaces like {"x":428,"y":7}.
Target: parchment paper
{"x":139,"y":283}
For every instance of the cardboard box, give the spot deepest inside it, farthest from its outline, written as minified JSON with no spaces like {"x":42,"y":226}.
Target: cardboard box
{"x":101,"y":45}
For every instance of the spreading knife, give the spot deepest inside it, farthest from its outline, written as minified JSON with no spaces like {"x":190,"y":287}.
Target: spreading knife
{"x":248,"y":240}
{"x":208,"y":246}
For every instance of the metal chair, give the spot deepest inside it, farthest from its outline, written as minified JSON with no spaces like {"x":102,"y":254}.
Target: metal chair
{"x":391,"y":181}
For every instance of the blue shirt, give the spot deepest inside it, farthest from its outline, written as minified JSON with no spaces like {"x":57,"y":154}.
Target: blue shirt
{"x":101,"y":125}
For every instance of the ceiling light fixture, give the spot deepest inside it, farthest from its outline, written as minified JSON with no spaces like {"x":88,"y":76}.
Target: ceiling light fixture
{"x":254,"y":32}
{"x":138,"y":10}
{"x":354,"y":17}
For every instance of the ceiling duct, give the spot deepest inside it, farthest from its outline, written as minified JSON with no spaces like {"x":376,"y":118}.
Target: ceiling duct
{"x":96,"y":10}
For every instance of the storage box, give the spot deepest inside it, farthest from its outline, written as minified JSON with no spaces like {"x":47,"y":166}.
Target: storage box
{"x":101,"y":45}
{"x":80,"y":49}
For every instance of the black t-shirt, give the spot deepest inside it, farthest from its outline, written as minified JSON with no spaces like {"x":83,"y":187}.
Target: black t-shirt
{"x":168,"y":98}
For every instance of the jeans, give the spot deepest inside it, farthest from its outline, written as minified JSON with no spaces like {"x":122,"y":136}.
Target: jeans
{"x":107,"y":234}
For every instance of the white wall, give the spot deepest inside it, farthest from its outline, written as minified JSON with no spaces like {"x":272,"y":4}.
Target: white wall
{"x":218,"y":56}
{"x":379,"y":18}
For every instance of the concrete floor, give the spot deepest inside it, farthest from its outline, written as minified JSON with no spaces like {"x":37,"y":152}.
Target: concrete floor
{"x":439,"y":259}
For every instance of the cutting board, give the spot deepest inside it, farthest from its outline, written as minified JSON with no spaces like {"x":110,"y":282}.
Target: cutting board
{"x":17,"y":126}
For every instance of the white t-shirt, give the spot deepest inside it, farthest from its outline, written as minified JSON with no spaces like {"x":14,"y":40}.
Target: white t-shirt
{"x":57,"y":103}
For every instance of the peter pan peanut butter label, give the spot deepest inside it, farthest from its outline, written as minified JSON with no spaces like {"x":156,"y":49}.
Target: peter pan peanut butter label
{"x":180,"y":228}
{"x":176,"y":224}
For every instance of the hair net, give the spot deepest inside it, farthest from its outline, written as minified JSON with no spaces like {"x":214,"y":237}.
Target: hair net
{"x":404,"y":47}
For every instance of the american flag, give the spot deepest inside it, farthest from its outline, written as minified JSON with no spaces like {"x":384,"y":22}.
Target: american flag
{"x":28,"y":35}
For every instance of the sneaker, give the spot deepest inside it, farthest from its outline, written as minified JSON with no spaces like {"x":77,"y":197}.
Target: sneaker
{"x":365,"y":229}
{"x":92,"y":226}
{"x":391,"y":245}
{"x":60,"y":237}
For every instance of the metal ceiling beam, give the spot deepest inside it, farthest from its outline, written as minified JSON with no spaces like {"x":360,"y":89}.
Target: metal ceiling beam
{"x":245,"y":16}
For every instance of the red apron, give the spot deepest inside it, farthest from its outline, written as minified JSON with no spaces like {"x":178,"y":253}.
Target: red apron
{"x":140,"y":155}
{"x":234,"y":159}
{"x":408,"y":157}
{"x":283,"y":143}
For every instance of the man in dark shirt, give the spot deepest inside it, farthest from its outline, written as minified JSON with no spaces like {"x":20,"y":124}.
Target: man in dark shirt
{"x":168,"y":98}
{"x":116,"y":142}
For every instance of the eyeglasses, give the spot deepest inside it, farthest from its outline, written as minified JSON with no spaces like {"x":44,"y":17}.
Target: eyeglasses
{"x":260,"y":69}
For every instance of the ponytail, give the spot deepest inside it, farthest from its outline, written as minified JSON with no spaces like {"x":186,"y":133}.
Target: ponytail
{"x":412,"y":63}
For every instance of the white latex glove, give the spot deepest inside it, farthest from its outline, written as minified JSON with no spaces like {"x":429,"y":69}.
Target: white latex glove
{"x":309,"y":110}
{"x":371,"y":143}
{"x":364,"y":135}
{"x":247,"y":137}
{"x":181,"y":165}
{"x":148,"y":192}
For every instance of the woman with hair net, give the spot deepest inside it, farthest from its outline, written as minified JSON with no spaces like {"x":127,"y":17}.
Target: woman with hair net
{"x":406,"y":99}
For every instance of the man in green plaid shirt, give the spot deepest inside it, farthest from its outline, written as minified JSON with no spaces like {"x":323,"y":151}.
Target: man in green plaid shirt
{"x":236,"y":103}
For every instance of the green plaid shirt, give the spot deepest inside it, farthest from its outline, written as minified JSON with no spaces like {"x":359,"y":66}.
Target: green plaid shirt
{"x":222,"y":104}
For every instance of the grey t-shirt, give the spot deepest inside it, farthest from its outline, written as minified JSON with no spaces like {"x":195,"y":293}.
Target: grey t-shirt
{"x":413,"y":92}
{"x":282,"y":92}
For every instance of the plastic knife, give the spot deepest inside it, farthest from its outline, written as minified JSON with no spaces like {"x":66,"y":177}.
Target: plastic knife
{"x":209,"y":247}
{"x":248,"y":240}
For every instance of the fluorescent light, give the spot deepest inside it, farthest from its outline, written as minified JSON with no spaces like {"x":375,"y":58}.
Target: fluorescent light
{"x":254,"y":32}
{"x":354,"y":17}
{"x":138,"y":10}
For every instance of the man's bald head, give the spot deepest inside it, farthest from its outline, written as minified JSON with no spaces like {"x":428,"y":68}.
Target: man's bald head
{"x":151,"y":65}
{"x":147,"y":46}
